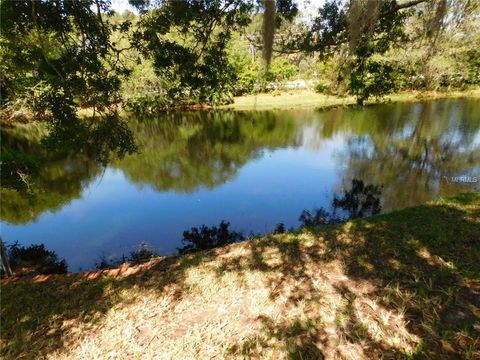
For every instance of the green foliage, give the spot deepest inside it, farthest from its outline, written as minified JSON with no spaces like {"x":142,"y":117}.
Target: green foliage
{"x":253,"y":77}
{"x":329,"y":29}
{"x":339,"y":27}
{"x":447,"y":69}
{"x":65,"y":46}
{"x":249,"y":74}
{"x":470,"y":59}
{"x":359,"y":76}
{"x":331,"y":75}
{"x":35,"y":258}
{"x":59,"y":57}
{"x":384,"y":46}
{"x":187,"y":42}
{"x":369,"y":78}
{"x":205,"y":238}
{"x":144,"y":92}
{"x":281,"y":69}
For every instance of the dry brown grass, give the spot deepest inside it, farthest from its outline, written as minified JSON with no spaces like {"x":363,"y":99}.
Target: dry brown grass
{"x":403,"y":285}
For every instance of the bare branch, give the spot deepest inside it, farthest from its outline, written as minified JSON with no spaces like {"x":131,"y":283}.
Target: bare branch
{"x":409,"y":4}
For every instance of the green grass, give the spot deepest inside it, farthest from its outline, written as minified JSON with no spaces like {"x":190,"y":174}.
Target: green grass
{"x":297,"y":99}
{"x":403,"y":285}
{"x":310,"y":99}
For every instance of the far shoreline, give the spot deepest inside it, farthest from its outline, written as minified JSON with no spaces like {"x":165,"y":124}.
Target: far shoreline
{"x":285,"y":100}
{"x":309,"y":99}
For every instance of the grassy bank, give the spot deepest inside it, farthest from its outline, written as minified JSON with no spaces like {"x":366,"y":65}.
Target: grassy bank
{"x":295,"y":99}
{"x":401,"y":285}
{"x":311,"y":99}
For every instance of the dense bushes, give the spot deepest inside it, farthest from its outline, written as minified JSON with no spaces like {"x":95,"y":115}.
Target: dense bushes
{"x":391,"y":73}
{"x":205,"y":237}
{"x":253,"y":77}
{"x":35,"y":259}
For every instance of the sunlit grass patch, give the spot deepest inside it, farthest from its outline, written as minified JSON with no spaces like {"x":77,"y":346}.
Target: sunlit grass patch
{"x":310,"y":99}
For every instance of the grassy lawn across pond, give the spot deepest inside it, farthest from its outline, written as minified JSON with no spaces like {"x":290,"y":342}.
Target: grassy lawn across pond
{"x":309,"y":99}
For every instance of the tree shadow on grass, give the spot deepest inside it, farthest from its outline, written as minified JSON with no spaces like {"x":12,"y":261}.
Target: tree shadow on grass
{"x":429,"y":267}
{"x":393,"y":286}
{"x":37,"y":316}
{"x":406,"y":286}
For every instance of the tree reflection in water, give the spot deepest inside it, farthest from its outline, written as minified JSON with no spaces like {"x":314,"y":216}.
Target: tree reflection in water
{"x":359,"y":201}
{"x":186,"y":151}
{"x":45,"y":168}
{"x":408,"y":148}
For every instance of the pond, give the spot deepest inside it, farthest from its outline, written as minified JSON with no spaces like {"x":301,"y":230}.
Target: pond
{"x":253,"y":169}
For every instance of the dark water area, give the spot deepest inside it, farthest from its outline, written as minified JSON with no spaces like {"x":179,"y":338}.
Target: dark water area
{"x":253,"y":169}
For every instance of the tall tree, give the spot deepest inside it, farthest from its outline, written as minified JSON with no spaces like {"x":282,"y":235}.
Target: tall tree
{"x":187,"y":41}
{"x":360,"y":30}
{"x":58,"y":55}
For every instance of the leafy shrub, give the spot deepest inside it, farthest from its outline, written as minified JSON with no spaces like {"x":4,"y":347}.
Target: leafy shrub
{"x":35,"y":259}
{"x":252,"y":77}
{"x":332,"y":77}
{"x":146,"y":92}
{"x":371,"y":78}
{"x":322,"y":87}
{"x":329,"y":87}
{"x":279,"y":229}
{"x":105,"y":263}
{"x":205,"y":237}
{"x":281,"y":70}
{"x":142,"y":255}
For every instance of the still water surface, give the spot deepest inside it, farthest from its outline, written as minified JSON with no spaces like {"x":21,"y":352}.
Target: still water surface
{"x":253,"y":169}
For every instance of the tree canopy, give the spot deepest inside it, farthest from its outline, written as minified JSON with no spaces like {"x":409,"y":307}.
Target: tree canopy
{"x":61,"y":55}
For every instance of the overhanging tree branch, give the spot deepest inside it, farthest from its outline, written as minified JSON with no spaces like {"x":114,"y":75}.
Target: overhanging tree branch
{"x":41,"y":42}
{"x":409,"y":4}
